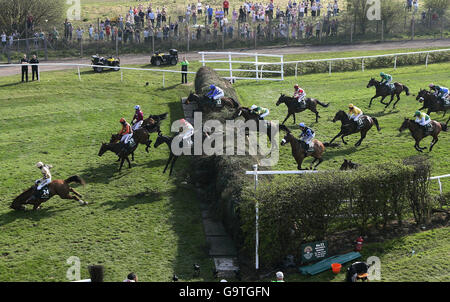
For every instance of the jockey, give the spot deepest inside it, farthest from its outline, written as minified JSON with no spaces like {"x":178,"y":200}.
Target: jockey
{"x":299,"y":94}
{"x":138,"y":118}
{"x":261,"y":111}
{"x":354,"y":112}
{"x":215,"y":93}
{"x":188,"y":131}
{"x":422,"y":118}
{"x":440,"y":92}
{"x":126,"y":133}
{"x":386,"y":79}
{"x":46,"y":176}
{"x":306,"y":136}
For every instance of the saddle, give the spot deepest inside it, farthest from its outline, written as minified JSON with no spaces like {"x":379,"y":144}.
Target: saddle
{"x":428,"y":128}
{"x":301,"y":105}
{"x":43,"y":193}
{"x":308,"y":148}
{"x":360,"y":123}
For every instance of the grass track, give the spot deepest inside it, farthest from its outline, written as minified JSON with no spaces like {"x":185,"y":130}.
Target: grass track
{"x":140,"y":220}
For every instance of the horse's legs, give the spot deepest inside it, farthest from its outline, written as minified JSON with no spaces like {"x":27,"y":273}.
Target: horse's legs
{"x":132,"y":157}
{"x":433,"y":142}
{"x":287,"y":116}
{"x":168,"y":162}
{"x":320,"y":161}
{"x":294,"y":116}
{"x":128,"y":160}
{"x":121,"y":163}
{"x":398,"y":99}
{"x":374,"y":97}
{"x":392,"y":98}
{"x":342,"y":137}
{"x":312,"y":163}
{"x":74,"y":192}
{"x":317,"y":115}
{"x":382,"y":98}
{"x":68,"y":196}
{"x":173,"y":163}
{"x":363,"y":135}
{"x":340,"y":133}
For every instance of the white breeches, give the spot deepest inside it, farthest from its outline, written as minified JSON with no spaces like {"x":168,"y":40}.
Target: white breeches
{"x":125,"y":138}
{"x":187,"y":136}
{"x":265,"y":114}
{"x":137,"y":125}
{"x":43,"y":183}
{"x":423,"y":122}
{"x":309,"y":139}
{"x":355,"y":117}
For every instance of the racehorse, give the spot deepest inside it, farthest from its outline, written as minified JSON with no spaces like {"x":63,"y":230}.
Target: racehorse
{"x":121,"y":151}
{"x":350,"y":127}
{"x":140,"y":136}
{"x":384,"y":91}
{"x":56,"y":187}
{"x":298,"y":149}
{"x":205,"y":103}
{"x":293,"y":106}
{"x":249,"y":114}
{"x":418,"y":132}
{"x":153,"y":122}
{"x":348,"y":165}
{"x":431,"y":102}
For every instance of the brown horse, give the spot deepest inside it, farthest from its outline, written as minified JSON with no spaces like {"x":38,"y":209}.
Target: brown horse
{"x":293,"y":106}
{"x":152,"y":123}
{"x":348,"y":165}
{"x":418,"y":132}
{"x":298,"y":149}
{"x":350,"y":127}
{"x":431,"y":102}
{"x":140,"y":136}
{"x":384,"y":91}
{"x":57,"y":187}
{"x":206,"y":104}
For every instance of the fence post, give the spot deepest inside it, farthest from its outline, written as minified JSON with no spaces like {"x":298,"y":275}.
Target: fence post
{"x":296,"y":65}
{"x":256,"y":64}
{"x":121,"y":75}
{"x":395,"y":62}
{"x":203,"y":58}
{"x":329,"y":68}
{"x":231,"y":67}
{"x":81,"y":48}
{"x":362,"y":64}
{"x":282,"y":69}
{"x":255,"y":169}
{"x":426,"y":60}
{"x":79,"y":76}
{"x":164,"y":80}
{"x":8,"y":50}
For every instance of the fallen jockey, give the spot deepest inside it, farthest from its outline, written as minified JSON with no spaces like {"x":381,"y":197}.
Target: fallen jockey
{"x":215,"y":94}
{"x":354,"y":113}
{"x":44,"y":181}
{"x":386,"y":79}
{"x":306,"y":136}
{"x":137,"y":119}
{"x":422,"y":119}
{"x":300,"y":95}
{"x":260,"y":111}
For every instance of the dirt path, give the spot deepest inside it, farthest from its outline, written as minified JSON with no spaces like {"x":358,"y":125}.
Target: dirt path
{"x":194,"y":56}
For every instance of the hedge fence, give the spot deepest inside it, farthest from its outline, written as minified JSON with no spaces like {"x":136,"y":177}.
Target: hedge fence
{"x":349,"y":65}
{"x":304,"y":208}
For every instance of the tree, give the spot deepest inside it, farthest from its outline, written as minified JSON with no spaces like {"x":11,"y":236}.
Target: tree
{"x":392,"y":12}
{"x":45,"y":13}
{"x":437,"y":6}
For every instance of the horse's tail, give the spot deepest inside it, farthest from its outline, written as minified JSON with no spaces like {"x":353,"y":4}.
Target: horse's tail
{"x":159,"y":117}
{"x":322,"y":104}
{"x":406,"y":89}
{"x":235,"y":103}
{"x":444,"y":127}
{"x":75,"y":178}
{"x":376,"y":123}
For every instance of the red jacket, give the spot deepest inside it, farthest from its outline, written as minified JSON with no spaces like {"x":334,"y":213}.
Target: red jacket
{"x":226,"y":4}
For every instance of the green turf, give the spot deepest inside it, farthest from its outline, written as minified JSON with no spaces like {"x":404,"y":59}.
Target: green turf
{"x":140,"y":220}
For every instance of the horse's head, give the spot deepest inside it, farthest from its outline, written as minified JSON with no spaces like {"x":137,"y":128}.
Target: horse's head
{"x":339,"y":116}
{"x":344,"y":165}
{"x":281,"y":99}
{"x":404,"y":125}
{"x":288,"y":137}
{"x":103,"y":149}
{"x":372,"y":82}
{"x":159,"y":140}
{"x":421,"y":95}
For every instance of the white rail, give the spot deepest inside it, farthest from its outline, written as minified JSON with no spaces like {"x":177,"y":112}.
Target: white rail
{"x":395,"y":55}
{"x":101,"y":66}
{"x":257,"y":62}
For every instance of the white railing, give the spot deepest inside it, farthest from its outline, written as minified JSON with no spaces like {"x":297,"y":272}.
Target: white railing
{"x":362,"y":58}
{"x":257,"y":62}
{"x":102,"y":66}
{"x":255,"y":173}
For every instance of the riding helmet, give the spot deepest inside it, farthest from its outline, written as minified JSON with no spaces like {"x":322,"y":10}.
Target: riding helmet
{"x":39,"y":164}
{"x":350,"y":106}
{"x":137,"y":107}
{"x":296,"y":86}
{"x":122,"y":120}
{"x":212,"y":86}
{"x":431,"y":85}
{"x":382,"y":74}
{"x":302,"y":125}
{"x":417,"y":113}
{"x":253,"y":107}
